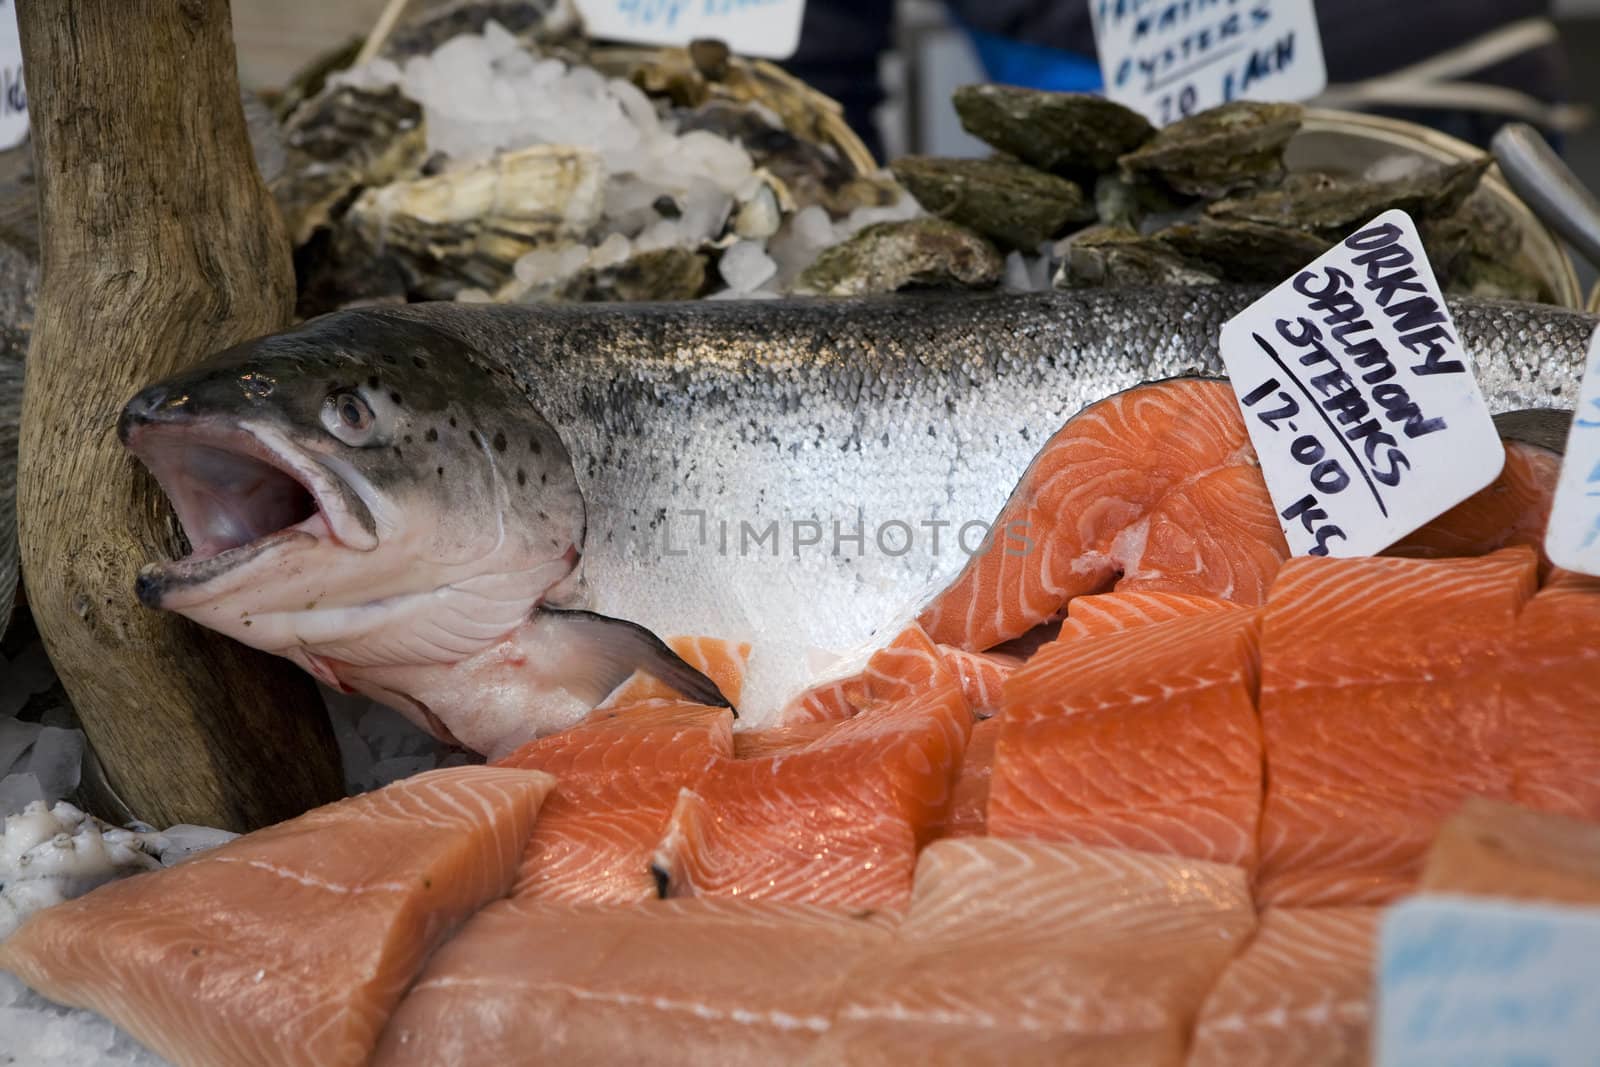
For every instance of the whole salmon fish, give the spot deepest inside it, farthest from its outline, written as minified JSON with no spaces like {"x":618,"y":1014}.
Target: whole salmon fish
{"x":486,"y":516}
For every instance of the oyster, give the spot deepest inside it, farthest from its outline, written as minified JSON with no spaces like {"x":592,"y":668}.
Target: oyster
{"x":1219,"y":151}
{"x":675,"y":74}
{"x":1331,"y":205}
{"x":1116,"y":256}
{"x":1243,"y":251}
{"x":530,"y":21}
{"x":813,"y":172}
{"x":1011,"y":203}
{"x":343,"y":141}
{"x":468,"y":227}
{"x":1478,"y":251}
{"x":888,"y":256}
{"x":1064,"y":133}
{"x":662,"y":274}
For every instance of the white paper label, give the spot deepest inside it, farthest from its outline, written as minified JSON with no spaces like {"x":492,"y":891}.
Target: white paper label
{"x":13,"y":94}
{"x":1572,"y":538}
{"x":1359,"y":399}
{"x":1481,"y":982}
{"x":1169,"y":59}
{"x":766,"y":28}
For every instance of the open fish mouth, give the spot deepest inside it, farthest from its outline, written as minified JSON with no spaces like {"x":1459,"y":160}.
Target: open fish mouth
{"x":240,"y":495}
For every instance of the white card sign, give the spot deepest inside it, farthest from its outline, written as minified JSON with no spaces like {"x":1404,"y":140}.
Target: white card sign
{"x":13,"y":94}
{"x":769,"y":29}
{"x":1168,"y":59}
{"x":1358,"y":396}
{"x":1486,"y":982}
{"x":1572,"y":537}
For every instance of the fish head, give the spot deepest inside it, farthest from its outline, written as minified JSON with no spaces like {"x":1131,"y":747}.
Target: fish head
{"x":362,"y":490}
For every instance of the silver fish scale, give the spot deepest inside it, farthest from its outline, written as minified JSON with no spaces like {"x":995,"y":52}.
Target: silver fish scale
{"x":864,"y":413}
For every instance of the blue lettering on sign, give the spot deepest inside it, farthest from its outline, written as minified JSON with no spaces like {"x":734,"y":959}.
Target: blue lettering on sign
{"x":663,"y":13}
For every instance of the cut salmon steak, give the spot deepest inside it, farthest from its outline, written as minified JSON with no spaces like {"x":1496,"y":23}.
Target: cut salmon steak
{"x":1552,"y":690}
{"x":1154,"y":488}
{"x":1495,"y":849}
{"x":618,"y":776}
{"x":1300,"y":994}
{"x":837,"y":820}
{"x":292,"y":944}
{"x":1025,"y":952}
{"x":691,"y":981}
{"x":1143,"y":738}
{"x":1381,"y":711}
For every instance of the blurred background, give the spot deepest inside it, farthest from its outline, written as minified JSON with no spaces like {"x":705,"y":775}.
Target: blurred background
{"x":893,"y":63}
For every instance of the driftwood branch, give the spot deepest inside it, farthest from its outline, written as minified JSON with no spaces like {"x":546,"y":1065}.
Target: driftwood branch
{"x":159,"y":245}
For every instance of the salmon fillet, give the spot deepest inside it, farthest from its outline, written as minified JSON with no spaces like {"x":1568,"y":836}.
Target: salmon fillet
{"x":983,"y":676}
{"x":618,"y":775}
{"x":1106,"y":613}
{"x":823,"y":703}
{"x":1024,"y":952}
{"x":1144,"y":738}
{"x":906,"y":666}
{"x":724,"y":662}
{"x":1381,"y":711}
{"x":1552,"y":695}
{"x":969,"y":800}
{"x":290,"y":945}
{"x":837,"y":821}
{"x":1511,"y":510}
{"x":1502,"y":850}
{"x":696,"y":981}
{"x":1300,"y":994}
{"x":1156,"y":487}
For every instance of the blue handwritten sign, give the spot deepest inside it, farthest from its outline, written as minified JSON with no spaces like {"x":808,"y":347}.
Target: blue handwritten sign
{"x":1169,"y":59}
{"x":766,"y":28}
{"x":1572,"y":537}
{"x":1468,"y":982}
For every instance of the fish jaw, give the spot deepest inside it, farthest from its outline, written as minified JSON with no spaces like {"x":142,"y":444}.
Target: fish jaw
{"x":250,"y":503}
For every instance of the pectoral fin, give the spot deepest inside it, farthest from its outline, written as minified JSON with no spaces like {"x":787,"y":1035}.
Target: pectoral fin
{"x":600,"y":653}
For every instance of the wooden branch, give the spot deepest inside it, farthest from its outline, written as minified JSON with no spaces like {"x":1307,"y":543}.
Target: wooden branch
{"x":159,"y":246}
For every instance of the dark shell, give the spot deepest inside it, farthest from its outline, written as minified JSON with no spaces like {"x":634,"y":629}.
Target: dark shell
{"x":340,"y":143}
{"x":1064,"y":133}
{"x":1113,"y":256}
{"x":1331,"y":205}
{"x":1011,"y":203}
{"x":1228,"y":148}
{"x":662,"y":274}
{"x":1244,"y":251}
{"x":924,"y":252}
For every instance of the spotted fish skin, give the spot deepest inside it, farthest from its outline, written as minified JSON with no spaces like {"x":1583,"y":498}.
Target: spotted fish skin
{"x":801,"y":475}
{"x":694,"y":428}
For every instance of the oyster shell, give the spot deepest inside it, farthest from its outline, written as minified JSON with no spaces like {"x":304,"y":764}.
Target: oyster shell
{"x":813,"y":172}
{"x":339,"y":143}
{"x":1011,"y":203}
{"x":1064,"y":133}
{"x":1331,"y":205}
{"x":468,"y":227}
{"x":1243,"y":251}
{"x":1117,"y":256}
{"x":661,"y":274}
{"x":889,"y":256}
{"x":1219,"y":151}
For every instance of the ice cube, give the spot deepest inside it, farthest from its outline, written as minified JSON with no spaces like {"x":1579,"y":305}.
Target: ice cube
{"x":746,"y":266}
{"x":176,"y":842}
{"x":813,"y":227}
{"x":17,"y":791}
{"x":56,"y":761}
{"x":613,"y":250}
{"x":15,"y":739}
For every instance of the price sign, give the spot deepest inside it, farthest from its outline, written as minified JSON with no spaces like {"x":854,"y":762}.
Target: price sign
{"x":766,"y":28}
{"x":1464,"y":981}
{"x":1169,"y":59}
{"x":1359,"y":399}
{"x":1572,"y":538}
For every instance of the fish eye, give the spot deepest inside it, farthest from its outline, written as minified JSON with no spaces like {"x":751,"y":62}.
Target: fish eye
{"x":348,"y":416}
